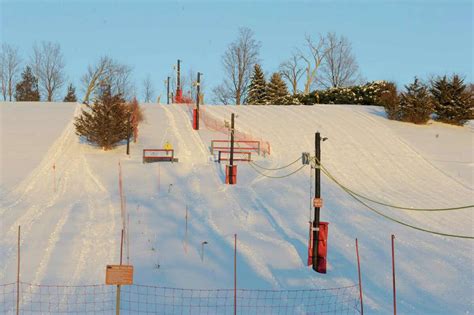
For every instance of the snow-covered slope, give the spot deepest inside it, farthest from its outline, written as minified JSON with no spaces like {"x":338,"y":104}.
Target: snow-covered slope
{"x":71,"y":233}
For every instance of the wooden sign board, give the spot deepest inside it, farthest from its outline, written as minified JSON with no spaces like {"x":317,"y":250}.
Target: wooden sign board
{"x":317,"y":202}
{"x":119,"y":274}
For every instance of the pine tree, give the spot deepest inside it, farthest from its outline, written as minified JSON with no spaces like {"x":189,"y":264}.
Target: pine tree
{"x":453,"y":103}
{"x":27,"y":89}
{"x":415,"y":104}
{"x":277,"y":92}
{"x":257,"y":89}
{"x":105,"y":123}
{"x":71,"y":94}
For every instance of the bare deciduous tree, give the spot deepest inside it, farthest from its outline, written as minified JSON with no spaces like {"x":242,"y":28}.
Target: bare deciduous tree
{"x":222,"y":95}
{"x":317,"y":52}
{"x":148,"y":90}
{"x":340,"y":67}
{"x":48,"y":66}
{"x":9,"y":70}
{"x":292,"y":71}
{"x":238,"y":61}
{"x":107,"y":71}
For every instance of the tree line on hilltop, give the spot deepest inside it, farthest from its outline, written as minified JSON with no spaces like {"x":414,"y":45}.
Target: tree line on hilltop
{"x":324,"y":70}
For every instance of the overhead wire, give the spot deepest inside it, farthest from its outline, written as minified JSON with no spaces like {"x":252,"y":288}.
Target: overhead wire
{"x":387,"y":204}
{"x":391,"y":218}
{"x":275,"y":169}
{"x":276,"y":177}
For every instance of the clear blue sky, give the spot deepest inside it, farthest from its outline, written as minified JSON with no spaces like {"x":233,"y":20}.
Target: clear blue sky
{"x":392,"y":40}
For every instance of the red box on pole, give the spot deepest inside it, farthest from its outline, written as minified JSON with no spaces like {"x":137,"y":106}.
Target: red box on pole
{"x":322,"y":247}
{"x":195,"y":127}
{"x":179,"y":96}
{"x":231,"y":174}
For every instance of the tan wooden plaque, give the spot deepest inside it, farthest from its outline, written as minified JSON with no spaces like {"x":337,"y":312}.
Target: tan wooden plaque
{"x":317,"y":202}
{"x":119,"y":274}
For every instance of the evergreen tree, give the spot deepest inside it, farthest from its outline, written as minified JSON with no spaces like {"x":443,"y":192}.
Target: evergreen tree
{"x":105,"y":123}
{"x":71,"y":94}
{"x":277,"y":91}
{"x":27,"y":89}
{"x":415,"y":104}
{"x":452,"y":102}
{"x":257,"y":88}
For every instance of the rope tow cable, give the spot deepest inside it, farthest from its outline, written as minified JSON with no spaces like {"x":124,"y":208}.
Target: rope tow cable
{"x":330,"y":176}
{"x":393,"y":219}
{"x":283,"y":176}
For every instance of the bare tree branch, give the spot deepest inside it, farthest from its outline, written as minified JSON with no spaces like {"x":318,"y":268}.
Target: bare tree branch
{"x":317,"y":52}
{"x":48,"y":66}
{"x":238,"y":61}
{"x":340,"y":67}
{"x":107,"y":71}
{"x":9,"y":69}
{"x":292,"y":71}
{"x":148,"y":90}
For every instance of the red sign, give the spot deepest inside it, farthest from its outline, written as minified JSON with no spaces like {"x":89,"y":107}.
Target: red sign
{"x":317,"y":202}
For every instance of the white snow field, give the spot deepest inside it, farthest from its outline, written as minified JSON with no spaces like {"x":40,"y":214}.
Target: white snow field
{"x":71,"y":221}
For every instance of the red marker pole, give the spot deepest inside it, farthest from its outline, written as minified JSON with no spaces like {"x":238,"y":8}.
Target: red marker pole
{"x":235,"y":274}
{"x":360,"y":280}
{"x":393,"y":274}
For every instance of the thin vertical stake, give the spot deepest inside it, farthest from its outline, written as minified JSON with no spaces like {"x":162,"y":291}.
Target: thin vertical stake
{"x":128,"y":239}
{"x":393,"y":275}
{"x":18,"y":277}
{"x":117,"y":303}
{"x":158,"y":178}
{"x":54,"y":177}
{"x":360,"y":280}
{"x":235,"y":274}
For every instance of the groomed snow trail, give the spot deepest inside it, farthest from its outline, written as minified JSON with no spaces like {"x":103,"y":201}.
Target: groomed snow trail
{"x":69,"y":235}
{"x":60,"y":223}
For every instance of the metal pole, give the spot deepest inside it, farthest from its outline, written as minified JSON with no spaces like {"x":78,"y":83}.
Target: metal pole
{"x":360,"y":280}
{"x":128,"y":133}
{"x":393,"y":275}
{"x":168,"y":90}
{"x":178,"y":74}
{"x":18,"y":276}
{"x":231,"y":170}
{"x":317,"y":194}
{"x":198,"y":90}
{"x":117,"y":305}
{"x":235,"y":274}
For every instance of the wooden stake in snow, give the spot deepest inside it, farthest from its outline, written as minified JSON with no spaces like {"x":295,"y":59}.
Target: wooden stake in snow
{"x":54,"y":177}
{"x":393,"y":275}
{"x":235,"y":274}
{"x":360,"y":279}
{"x":18,"y":276}
{"x":186,"y":232}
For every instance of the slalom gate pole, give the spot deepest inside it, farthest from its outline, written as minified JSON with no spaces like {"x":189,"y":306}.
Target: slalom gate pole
{"x":18,"y":276}
{"x":235,"y":274}
{"x":360,"y":279}
{"x":393,"y":275}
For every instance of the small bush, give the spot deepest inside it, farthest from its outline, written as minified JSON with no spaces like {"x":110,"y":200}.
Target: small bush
{"x":390,"y":100}
{"x":453,"y":102}
{"x":416,"y":104}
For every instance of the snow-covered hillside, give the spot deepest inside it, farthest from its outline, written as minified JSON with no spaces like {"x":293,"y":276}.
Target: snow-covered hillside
{"x":71,"y":221}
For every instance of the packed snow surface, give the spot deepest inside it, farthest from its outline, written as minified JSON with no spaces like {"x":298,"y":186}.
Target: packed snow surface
{"x":65,"y":195}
